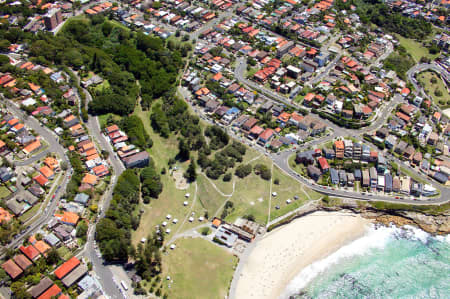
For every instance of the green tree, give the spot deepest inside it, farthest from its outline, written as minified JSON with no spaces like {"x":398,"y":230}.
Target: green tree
{"x":52,"y":256}
{"x":183,"y":150}
{"x":191,"y":172}
{"x":243,"y":170}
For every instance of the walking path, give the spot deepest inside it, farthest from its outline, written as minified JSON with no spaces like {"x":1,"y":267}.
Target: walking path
{"x":270,"y":192}
{"x":194,"y":200}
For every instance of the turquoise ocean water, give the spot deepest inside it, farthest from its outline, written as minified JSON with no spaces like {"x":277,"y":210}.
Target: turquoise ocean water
{"x":388,"y":262}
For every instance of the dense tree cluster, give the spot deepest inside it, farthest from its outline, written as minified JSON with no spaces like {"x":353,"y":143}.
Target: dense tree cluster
{"x":151,"y":183}
{"x":399,"y":62}
{"x":379,"y":13}
{"x":218,"y":137}
{"x":243,"y":170}
{"x":120,"y":56}
{"x":148,"y":256}
{"x":134,"y":128}
{"x":114,"y":231}
{"x":223,"y":160}
{"x":263,"y":171}
{"x":77,"y":176}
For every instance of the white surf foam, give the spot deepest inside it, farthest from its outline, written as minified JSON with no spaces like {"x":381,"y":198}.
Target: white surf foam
{"x":374,"y":238}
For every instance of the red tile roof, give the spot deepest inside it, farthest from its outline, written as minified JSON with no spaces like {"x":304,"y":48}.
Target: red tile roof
{"x":267,"y":134}
{"x":41,"y":180}
{"x":53,"y":291}
{"x":11,"y":268}
{"x":30,"y":252}
{"x":67,"y":267}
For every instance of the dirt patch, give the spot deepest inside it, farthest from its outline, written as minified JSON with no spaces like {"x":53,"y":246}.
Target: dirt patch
{"x":180,"y":181}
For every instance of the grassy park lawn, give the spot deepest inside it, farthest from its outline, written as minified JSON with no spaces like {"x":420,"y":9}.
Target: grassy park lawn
{"x":209,"y":198}
{"x":227,"y":187}
{"x":415,"y":48}
{"x":250,"y":197}
{"x":288,"y":188}
{"x":4,"y":192}
{"x":191,"y":266}
{"x":170,"y":201}
{"x":163,"y":148}
{"x":425,"y":80}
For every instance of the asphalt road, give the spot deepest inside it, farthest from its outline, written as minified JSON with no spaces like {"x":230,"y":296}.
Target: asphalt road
{"x":281,"y":159}
{"x":424,"y":67}
{"x":54,"y":147}
{"x":102,"y":272}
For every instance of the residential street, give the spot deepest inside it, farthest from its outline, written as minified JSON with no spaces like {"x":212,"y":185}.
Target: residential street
{"x":54,"y":147}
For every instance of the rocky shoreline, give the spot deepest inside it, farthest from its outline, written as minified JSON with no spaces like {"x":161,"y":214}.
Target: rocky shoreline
{"x":436,"y":225}
{"x":433,"y":224}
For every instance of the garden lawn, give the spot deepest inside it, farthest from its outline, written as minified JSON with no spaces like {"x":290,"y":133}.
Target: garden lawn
{"x":64,"y":253}
{"x":102,"y":86}
{"x":199,"y":269}
{"x":30,"y":213}
{"x":4,"y":192}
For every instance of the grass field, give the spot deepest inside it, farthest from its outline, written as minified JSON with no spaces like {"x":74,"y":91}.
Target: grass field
{"x":199,"y":269}
{"x":30,"y":213}
{"x":104,"y":85}
{"x":4,"y":192}
{"x":250,"y":73}
{"x":415,"y":48}
{"x":64,"y":253}
{"x":102,"y":119}
{"x":425,"y":81}
{"x":170,"y":201}
{"x":163,"y":148}
{"x":288,"y":188}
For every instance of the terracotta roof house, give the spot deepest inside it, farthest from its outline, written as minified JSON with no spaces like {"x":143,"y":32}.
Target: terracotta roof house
{"x":265,"y":136}
{"x":5,"y":216}
{"x":323,"y":164}
{"x":101,"y":170}
{"x":41,"y":287}
{"x":22,"y":261}
{"x":30,"y":252}
{"x":47,"y":172}
{"x":52,"y":292}
{"x":67,"y":267}
{"x":339,"y":148}
{"x":52,"y":163}
{"x":11,"y":269}
{"x":32,"y":147}
{"x":68,"y":218}
{"x":42,"y":247}
{"x":41,"y":180}
{"x":90,"y":179}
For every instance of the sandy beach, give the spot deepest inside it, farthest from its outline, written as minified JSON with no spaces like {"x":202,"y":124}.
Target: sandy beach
{"x":284,"y":252}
